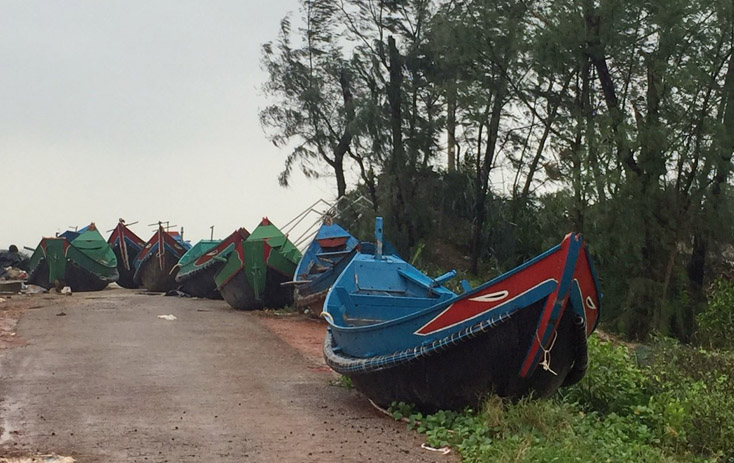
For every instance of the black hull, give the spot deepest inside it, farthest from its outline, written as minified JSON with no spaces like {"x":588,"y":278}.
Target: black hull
{"x":465,"y":373}
{"x":126,"y":279}
{"x":202,"y":284}
{"x":77,"y":278}
{"x":152,"y":277}
{"x":238,"y":293}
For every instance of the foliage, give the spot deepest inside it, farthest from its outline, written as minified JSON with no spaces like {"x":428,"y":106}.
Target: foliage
{"x":716,"y":322}
{"x":614,"y":119}
{"x":345,"y":382}
{"x":678,"y":407}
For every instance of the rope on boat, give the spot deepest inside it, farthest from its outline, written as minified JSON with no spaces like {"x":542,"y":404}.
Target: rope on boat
{"x":547,"y":352}
{"x":327,"y":316}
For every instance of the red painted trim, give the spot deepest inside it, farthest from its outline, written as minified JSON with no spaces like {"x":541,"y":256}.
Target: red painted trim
{"x":209,"y":255}
{"x":540,"y":333}
{"x":240,"y":253}
{"x":474,"y":305}
{"x":332,"y":242}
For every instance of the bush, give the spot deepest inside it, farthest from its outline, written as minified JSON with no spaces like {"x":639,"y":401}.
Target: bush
{"x":613,"y":384}
{"x":716,"y":322}
{"x":678,"y":407}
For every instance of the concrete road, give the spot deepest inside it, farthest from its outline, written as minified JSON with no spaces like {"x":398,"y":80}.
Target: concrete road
{"x":103,"y":379}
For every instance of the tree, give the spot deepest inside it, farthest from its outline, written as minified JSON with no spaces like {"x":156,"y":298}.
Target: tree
{"x":312,"y":85}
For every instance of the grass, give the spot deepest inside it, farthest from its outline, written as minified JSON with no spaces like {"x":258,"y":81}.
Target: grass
{"x":679,"y":407}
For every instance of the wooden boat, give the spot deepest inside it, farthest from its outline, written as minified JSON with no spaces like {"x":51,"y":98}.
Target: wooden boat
{"x":126,"y":245}
{"x":325,"y":258}
{"x":155,"y":266}
{"x":81,"y":260}
{"x":402,"y":336}
{"x":252,"y":276}
{"x":201,"y":263}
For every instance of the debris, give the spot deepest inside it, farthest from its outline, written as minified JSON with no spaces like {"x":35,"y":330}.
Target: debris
{"x":66,"y":290}
{"x":35,"y":289}
{"x":443,"y":450}
{"x":169,"y":317}
{"x":13,"y":273}
{"x":12,"y":286}
{"x":176,"y":292}
{"x":114,"y":285}
{"x":61,"y":314}
{"x":2,"y":300}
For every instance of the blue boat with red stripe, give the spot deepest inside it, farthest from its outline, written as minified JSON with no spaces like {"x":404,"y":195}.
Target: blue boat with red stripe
{"x":325,"y":258}
{"x":155,"y":265}
{"x":126,"y":245}
{"x":403,"y":336}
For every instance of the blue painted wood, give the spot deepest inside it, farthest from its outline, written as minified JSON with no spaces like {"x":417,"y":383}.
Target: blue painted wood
{"x":319,"y":268}
{"x":401,"y":335}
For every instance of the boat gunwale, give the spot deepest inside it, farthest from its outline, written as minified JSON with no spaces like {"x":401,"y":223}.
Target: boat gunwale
{"x":439,"y":306}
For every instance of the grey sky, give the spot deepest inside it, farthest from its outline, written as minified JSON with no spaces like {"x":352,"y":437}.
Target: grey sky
{"x":141,"y":110}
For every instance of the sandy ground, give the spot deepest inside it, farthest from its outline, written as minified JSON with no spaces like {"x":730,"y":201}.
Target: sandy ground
{"x":99,"y":377}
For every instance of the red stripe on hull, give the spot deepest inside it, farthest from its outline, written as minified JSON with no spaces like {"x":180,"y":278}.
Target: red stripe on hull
{"x":490,"y":298}
{"x":540,"y":339}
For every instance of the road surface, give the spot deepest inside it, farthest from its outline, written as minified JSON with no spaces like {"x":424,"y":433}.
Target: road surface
{"x":101,"y":378}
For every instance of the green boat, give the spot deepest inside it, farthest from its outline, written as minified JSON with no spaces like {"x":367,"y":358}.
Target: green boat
{"x":252,"y":276}
{"x":201,"y":263}
{"x":81,"y":260}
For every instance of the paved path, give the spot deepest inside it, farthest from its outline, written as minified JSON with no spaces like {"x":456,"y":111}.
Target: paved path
{"x":111,"y":382}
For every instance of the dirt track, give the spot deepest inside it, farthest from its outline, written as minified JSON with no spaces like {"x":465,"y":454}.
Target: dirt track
{"x":99,"y":377}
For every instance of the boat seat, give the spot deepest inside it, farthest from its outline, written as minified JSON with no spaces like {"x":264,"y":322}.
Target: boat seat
{"x":413,"y":279}
{"x":332,"y":255}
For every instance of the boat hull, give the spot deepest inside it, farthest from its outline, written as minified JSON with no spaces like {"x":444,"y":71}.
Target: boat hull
{"x":201,"y":283}
{"x":466,"y":369}
{"x":239,"y":294}
{"x":75,"y":277}
{"x":155,"y":277}
{"x":126,"y":279}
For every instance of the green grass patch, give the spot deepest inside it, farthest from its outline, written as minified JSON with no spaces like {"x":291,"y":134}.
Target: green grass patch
{"x":679,"y":407}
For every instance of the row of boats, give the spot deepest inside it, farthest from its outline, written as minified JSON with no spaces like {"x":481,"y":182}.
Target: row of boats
{"x":245,"y":269}
{"x":397,"y":333}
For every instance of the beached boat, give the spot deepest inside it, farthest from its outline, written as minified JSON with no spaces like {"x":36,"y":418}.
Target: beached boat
{"x":81,"y":260}
{"x":325,"y":258}
{"x":126,"y":245}
{"x":155,"y":266}
{"x":402,"y":336}
{"x":252,"y":276}
{"x":201,"y":263}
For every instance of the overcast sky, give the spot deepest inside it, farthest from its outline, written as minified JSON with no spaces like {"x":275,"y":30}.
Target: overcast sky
{"x":146,"y":110}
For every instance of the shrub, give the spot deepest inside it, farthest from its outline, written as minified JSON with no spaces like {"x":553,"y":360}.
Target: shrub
{"x":613,"y":384}
{"x":716,"y":322}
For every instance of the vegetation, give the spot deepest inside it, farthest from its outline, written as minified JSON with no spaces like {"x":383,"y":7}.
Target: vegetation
{"x":486,"y":131}
{"x":675,"y":408}
{"x":501,"y":126}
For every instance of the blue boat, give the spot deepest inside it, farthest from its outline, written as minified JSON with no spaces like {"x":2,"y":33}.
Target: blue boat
{"x":400,"y":335}
{"x":325,"y":258}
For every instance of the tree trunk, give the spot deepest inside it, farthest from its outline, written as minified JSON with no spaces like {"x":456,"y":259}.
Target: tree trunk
{"x":396,"y":164}
{"x":481,"y":200}
{"x":451,"y":125}
{"x":346,"y":139}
